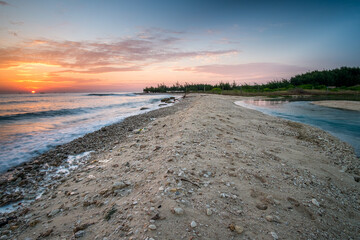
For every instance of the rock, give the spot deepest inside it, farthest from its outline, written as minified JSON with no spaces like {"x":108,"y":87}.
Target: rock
{"x":269,"y":218}
{"x":261,"y":206}
{"x":239,"y":229}
{"x":357,"y":178}
{"x":45,"y":234}
{"x":315,"y":202}
{"x":79,"y":234}
{"x":236,"y":228}
{"x":144,"y":108}
{"x":4,"y":237}
{"x":208,"y":212}
{"x":118,"y":185}
{"x":274,"y":235}
{"x":53,"y":212}
{"x":193,"y":224}
{"x":152,"y":227}
{"x":178,"y":211}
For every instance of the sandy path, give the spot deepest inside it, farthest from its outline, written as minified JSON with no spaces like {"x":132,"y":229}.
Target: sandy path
{"x":229,"y":172}
{"x":347,"y":105}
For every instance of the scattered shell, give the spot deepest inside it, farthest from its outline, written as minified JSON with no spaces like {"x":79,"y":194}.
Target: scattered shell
{"x":208,"y":212}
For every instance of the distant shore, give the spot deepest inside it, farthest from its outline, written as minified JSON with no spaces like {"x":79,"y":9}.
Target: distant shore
{"x":346,"y":105}
{"x":204,"y":168}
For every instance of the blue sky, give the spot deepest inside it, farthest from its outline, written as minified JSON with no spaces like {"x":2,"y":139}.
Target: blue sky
{"x":166,"y":41}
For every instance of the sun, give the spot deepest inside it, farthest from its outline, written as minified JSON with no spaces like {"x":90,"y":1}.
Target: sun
{"x":33,"y":92}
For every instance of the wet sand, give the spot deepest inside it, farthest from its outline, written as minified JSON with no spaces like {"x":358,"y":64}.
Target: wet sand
{"x":347,"y":105}
{"x":202,"y":169}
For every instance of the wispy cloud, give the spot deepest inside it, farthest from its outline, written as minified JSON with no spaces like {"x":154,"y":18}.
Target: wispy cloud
{"x":16,"y":23}
{"x":250,"y":72}
{"x":3,"y":3}
{"x":98,"y":57}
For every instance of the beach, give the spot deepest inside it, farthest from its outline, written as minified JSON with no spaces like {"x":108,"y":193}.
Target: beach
{"x":204,"y":168}
{"x":346,"y":105}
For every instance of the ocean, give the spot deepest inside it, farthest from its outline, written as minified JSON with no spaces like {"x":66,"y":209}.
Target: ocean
{"x":31,"y":124}
{"x":343,"y":124}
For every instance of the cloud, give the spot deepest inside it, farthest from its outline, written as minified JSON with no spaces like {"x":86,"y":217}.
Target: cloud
{"x":250,"y":72}
{"x":3,"y":3}
{"x":16,"y":23}
{"x":104,"y":70}
{"x":13,"y":33}
{"x":98,"y":57}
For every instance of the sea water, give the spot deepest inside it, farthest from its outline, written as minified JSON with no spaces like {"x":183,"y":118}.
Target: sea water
{"x":344,"y":124}
{"x":31,"y":124}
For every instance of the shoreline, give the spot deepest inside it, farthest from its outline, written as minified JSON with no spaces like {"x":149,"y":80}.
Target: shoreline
{"x":339,"y":104}
{"x":205,"y":168}
{"x":28,"y":173}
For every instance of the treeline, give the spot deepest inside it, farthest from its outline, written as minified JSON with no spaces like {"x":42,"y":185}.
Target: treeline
{"x":344,"y":78}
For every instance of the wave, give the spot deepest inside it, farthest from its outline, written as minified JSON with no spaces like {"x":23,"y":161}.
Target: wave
{"x":42,"y":114}
{"x":16,"y":102}
{"x":64,"y":112}
{"x":111,"y":94}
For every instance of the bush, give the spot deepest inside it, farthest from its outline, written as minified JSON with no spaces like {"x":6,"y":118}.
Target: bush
{"x":216,"y":90}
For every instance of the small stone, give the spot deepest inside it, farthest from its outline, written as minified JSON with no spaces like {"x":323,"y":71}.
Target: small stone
{"x":79,"y":234}
{"x":261,"y":206}
{"x":178,"y":211}
{"x":208,"y":212}
{"x":239,"y":229}
{"x":269,"y":218}
{"x":274,"y":235}
{"x":152,"y":227}
{"x":193,"y":224}
{"x":161,"y":188}
{"x":53,"y":212}
{"x":315,"y":202}
{"x":118,"y":185}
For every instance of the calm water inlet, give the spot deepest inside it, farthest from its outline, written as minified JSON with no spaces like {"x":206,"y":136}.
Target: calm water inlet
{"x":343,"y":124}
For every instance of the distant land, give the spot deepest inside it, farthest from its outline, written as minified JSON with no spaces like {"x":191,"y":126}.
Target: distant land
{"x":344,"y":80}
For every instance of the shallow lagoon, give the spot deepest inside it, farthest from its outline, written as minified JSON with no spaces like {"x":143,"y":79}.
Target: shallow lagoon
{"x":343,"y":124}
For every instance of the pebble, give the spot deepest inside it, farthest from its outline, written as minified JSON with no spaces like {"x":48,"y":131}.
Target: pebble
{"x":274,"y":235}
{"x":315,"y":202}
{"x":269,"y":218}
{"x":152,"y":227}
{"x":79,"y":234}
{"x":53,"y":212}
{"x":178,"y":211}
{"x":208,"y":212}
{"x":261,"y":206}
{"x":118,"y":185}
{"x":193,"y":224}
{"x":239,"y":229}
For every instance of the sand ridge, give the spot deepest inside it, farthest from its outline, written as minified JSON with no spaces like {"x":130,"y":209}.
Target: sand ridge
{"x":213,"y":170}
{"x":347,"y":105}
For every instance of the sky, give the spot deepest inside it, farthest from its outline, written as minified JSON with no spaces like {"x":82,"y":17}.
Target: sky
{"x":102,"y":46}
